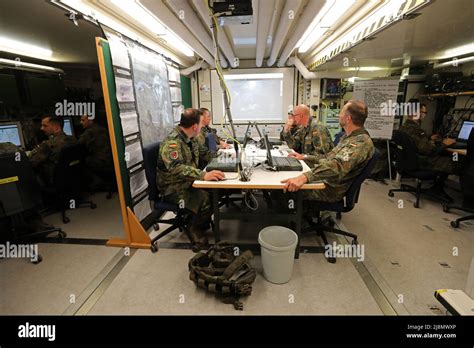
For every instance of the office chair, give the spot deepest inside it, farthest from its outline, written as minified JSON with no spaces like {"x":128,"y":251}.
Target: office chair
{"x":20,"y":193}
{"x":180,"y":221}
{"x":406,"y":163}
{"x":68,"y":181}
{"x":343,"y":206}
{"x":466,"y":180}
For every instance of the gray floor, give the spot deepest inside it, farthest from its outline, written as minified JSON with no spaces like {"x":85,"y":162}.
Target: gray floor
{"x":403,"y":247}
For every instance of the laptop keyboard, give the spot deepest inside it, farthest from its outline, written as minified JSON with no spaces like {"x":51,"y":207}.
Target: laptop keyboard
{"x":286,"y":162}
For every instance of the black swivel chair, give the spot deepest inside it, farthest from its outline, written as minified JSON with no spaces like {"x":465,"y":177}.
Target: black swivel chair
{"x":343,"y":206}
{"x":19,"y":194}
{"x":406,"y":163}
{"x":150,"y":159}
{"x":68,"y":181}
{"x":467,"y":185}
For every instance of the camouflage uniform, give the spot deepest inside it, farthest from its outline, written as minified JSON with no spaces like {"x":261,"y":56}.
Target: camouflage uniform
{"x":45,"y":156}
{"x":314,"y":141}
{"x":428,"y":152}
{"x":97,"y":142}
{"x":205,"y":130}
{"x":340,"y":167}
{"x":177,"y":168}
{"x":8,"y":148}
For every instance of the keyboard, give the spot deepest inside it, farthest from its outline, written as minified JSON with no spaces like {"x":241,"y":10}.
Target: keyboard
{"x":222,"y":164}
{"x":287,"y":164}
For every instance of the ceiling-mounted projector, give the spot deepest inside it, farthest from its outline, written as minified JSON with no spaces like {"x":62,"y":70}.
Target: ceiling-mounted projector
{"x":232,"y":12}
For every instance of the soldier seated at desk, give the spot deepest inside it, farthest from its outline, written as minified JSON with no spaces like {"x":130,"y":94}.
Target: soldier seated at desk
{"x":46,"y":155}
{"x":310,"y":140}
{"x":98,"y":161}
{"x":178,"y":166}
{"x":344,"y":163}
{"x":429,"y":151}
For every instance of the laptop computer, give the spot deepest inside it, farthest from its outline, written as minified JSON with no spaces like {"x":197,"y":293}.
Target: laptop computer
{"x":281,"y":163}
{"x":240,"y":139}
{"x":463,"y":136}
{"x":273,"y":141}
{"x":224,"y":162}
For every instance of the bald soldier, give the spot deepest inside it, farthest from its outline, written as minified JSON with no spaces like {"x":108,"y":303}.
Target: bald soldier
{"x":46,"y":155}
{"x":177,"y":168}
{"x":311,"y":141}
{"x":343,"y":163}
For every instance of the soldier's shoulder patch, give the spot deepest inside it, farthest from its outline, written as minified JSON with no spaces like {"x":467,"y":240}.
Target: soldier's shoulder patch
{"x":174,"y":155}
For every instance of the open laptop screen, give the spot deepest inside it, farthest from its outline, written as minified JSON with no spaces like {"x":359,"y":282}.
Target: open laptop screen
{"x":268,"y":148}
{"x":466,"y":128}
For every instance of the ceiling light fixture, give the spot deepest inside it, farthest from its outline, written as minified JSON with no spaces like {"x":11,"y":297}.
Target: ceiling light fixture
{"x":136,"y":10}
{"x":24,"y":49}
{"x":18,"y":64}
{"x":325,"y":19}
{"x":454,"y":62}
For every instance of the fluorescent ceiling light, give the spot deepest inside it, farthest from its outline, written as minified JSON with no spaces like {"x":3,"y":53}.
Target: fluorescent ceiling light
{"x":147,"y":19}
{"x":18,"y":64}
{"x":458,"y":51}
{"x":253,"y":76}
{"x":365,"y":68}
{"x":24,"y":49}
{"x":106,"y":19}
{"x":453,"y":62}
{"x":327,"y":16}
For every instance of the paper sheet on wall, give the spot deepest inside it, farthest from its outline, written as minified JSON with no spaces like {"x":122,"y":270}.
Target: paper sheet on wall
{"x":142,"y":209}
{"x":129,"y":122}
{"x":173,"y":74}
{"x":175,"y":94}
{"x":124,"y":90}
{"x":375,"y":93}
{"x":133,"y":154}
{"x":138,"y":182}
{"x":119,"y":51}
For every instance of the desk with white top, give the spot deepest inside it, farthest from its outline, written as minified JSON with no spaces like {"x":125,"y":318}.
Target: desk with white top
{"x":260,"y":179}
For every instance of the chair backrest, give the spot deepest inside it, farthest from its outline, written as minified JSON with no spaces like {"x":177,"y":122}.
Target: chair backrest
{"x":352,"y":194}
{"x":405,"y":152}
{"x":68,"y":175}
{"x":150,"y":161}
{"x":211,"y":143}
{"x":19,"y":189}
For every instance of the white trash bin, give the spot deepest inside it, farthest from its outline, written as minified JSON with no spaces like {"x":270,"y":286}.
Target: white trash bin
{"x":278,"y":246}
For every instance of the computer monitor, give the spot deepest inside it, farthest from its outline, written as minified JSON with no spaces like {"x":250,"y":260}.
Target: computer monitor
{"x":466,"y":128}
{"x":11,"y":132}
{"x":68,"y":128}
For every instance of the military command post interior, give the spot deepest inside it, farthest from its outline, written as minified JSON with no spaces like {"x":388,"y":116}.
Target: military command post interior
{"x":307,"y":157}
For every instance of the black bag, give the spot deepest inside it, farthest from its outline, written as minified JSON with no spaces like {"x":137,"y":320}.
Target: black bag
{"x":220,"y":271}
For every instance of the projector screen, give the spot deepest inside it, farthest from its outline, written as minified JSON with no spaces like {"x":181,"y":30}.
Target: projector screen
{"x":262,"y":95}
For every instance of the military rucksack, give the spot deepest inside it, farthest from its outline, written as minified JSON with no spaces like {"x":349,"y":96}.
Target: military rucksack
{"x":220,"y":271}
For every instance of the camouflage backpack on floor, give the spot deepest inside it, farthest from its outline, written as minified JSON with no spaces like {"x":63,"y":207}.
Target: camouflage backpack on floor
{"x":219,"y":271}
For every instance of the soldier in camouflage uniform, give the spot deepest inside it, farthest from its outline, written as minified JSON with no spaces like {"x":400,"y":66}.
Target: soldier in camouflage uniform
{"x":311,"y":141}
{"x":177,"y":168}
{"x":344,"y":163}
{"x":429,"y":152}
{"x":96,"y":140}
{"x":204,"y":154}
{"x":206,"y":129}
{"x":45,"y":156}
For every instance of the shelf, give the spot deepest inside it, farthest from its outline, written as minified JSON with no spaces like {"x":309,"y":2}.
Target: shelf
{"x":449,"y":94}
